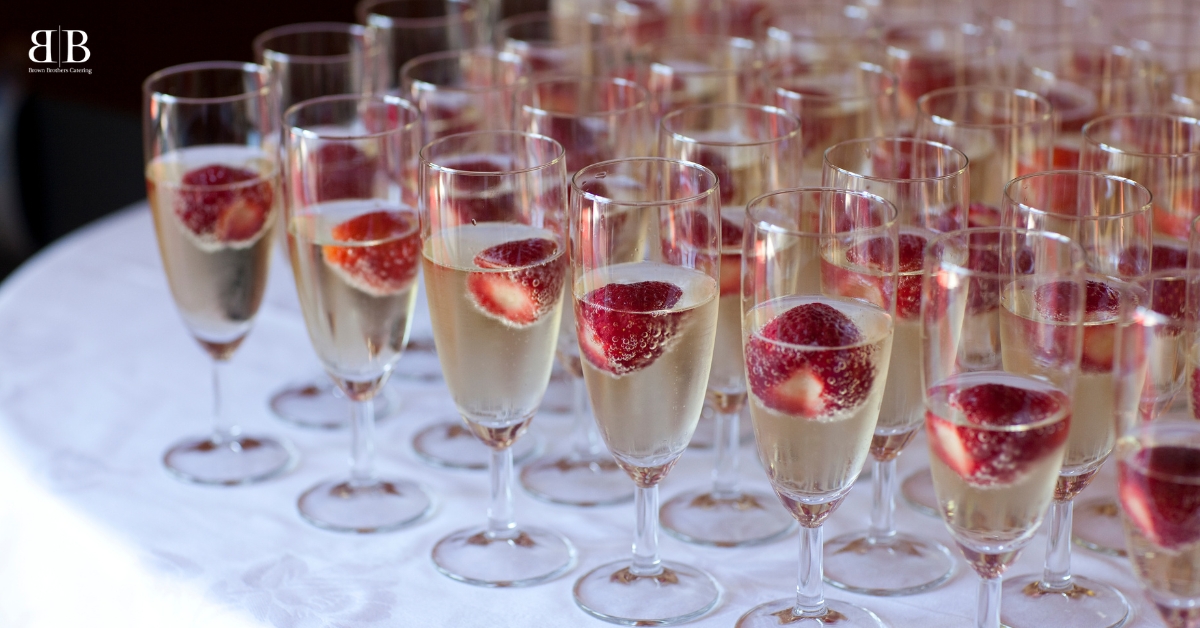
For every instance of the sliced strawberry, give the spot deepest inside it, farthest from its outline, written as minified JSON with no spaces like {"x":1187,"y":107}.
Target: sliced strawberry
{"x":481,"y":198}
{"x":698,"y":231}
{"x":815,"y":126}
{"x":1166,"y":255}
{"x":212,"y":203}
{"x":379,"y":269}
{"x":716,"y":162}
{"x":1102,"y":309}
{"x":343,"y":171}
{"x":625,"y":327}
{"x":876,"y":253}
{"x":985,"y":457}
{"x":523,"y":296}
{"x":1160,"y":491}
{"x":581,"y":144}
{"x":809,"y":382}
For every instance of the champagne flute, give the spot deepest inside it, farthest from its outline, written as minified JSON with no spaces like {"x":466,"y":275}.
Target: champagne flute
{"x":493,"y":232}
{"x":928,"y":184}
{"x":1002,"y":311}
{"x":753,"y":150}
{"x":212,"y":177}
{"x":816,"y":364}
{"x":404,"y":29}
{"x":936,"y":53}
{"x":646,"y":319}
{"x":310,"y":60}
{"x":552,"y":44}
{"x":595,"y":119}
{"x":701,"y":70}
{"x":1109,"y":217}
{"x":352,"y":235}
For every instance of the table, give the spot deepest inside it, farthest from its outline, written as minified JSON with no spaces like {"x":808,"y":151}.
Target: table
{"x":98,"y":376}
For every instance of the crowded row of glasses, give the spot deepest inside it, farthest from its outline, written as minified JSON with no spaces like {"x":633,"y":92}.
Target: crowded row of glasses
{"x":671,"y":185}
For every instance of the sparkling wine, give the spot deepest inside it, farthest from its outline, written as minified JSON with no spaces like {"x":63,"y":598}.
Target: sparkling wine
{"x":214,"y":208}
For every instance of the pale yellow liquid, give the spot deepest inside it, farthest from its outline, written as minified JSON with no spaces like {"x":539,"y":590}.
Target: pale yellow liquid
{"x":358,"y":331}
{"x":217,"y":286}
{"x":648,"y":416}
{"x":995,"y":518}
{"x":814,"y":461}
{"x":496,"y":372}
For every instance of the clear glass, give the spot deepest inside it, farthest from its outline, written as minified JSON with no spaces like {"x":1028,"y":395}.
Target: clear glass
{"x":306,"y":61}
{"x":816,"y":361}
{"x":701,"y":70}
{"x":354,"y":242}
{"x":561,"y":44}
{"x":462,"y":91}
{"x":936,"y":53}
{"x":1109,"y":217}
{"x":646,"y":275}
{"x":595,"y":119}
{"x":212,"y":178}
{"x":1003,"y":337}
{"x":928,"y":184}
{"x":493,"y":232}
{"x":752,"y":149}
{"x":405,"y":29}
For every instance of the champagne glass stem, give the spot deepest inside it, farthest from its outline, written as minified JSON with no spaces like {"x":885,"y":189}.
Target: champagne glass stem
{"x":223,"y":429}
{"x":362,"y":453}
{"x":645,"y":539}
{"x":810,"y":593}
{"x":500,"y":524}
{"x":725,"y":442}
{"x":988,"y":613}
{"x":883,"y":501}
{"x":1057,"y":573}
{"x":585,"y":436}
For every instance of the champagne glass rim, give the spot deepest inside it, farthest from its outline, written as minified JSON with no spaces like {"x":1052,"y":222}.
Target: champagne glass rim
{"x":1077,"y":266}
{"x":383,"y":99}
{"x":708,"y":175}
{"x":1095,"y":123}
{"x":492,"y":54}
{"x":589,"y":18}
{"x":559,"y":156}
{"x":525,"y":86}
{"x":1044,"y":115}
{"x":674,"y":114}
{"x":244,"y":67}
{"x":353,"y":31}
{"x":365,"y":15}
{"x":756,"y":206}
{"x":1144,"y":207}
{"x":782,"y":72}
{"x":945,"y":148}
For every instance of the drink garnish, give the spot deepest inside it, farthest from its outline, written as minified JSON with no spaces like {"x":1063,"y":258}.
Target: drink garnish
{"x":522,"y":296}
{"x":212,"y":203}
{"x":378,"y":269}
{"x":625,"y":327}
{"x":1160,"y":490}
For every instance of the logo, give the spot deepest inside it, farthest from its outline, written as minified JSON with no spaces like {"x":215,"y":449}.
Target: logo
{"x":59,"y":46}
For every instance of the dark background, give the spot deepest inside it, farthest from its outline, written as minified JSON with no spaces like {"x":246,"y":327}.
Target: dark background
{"x":76,"y":138}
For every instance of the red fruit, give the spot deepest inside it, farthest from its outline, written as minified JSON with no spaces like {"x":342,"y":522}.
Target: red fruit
{"x":343,"y":171}
{"x":1160,"y":491}
{"x":625,"y":327}
{"x":984,"y":457}
{"x":1103,"y":305}
{"x":580,"y":141}
{"x":698,"y":231}
{"x":1165,"y":256}
{"x":380,"y":269}
{"x":877,"y":253}
{"x":809,"y":383}
{"x":212,"y":203}
{"x":715,"y":162}
{"x":523,"y":296}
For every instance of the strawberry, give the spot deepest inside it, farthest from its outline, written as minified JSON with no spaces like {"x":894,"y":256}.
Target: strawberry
{"x":1054,"y":301}
{"x":716,"y":162}
{"x":815,"y":128}
{"x":829,"y":374}
{"x":224,"y":203}
{"x":698,"y":231}
{"x":343,"y":171}
{"x":877,"y":253}
{"x":377,"y":269}
{"x":625,"y":327}
{"x":481,"y":198}
{"x":519,"y":297}
{"x":985,"y":457}
{"x":1160,"y":491}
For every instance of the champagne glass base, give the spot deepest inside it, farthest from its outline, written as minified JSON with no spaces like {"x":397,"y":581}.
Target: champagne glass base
{"x":738,"y":520}
{"x":779,"y":613}
{"x":917,"y":490}
{"x":900,"y":565}
{"x":450,"y":444}
{"x":679,"y":594}
{"x":1087,"y":604}
{"x":382,"y":505}
{"x":577,"y":480}
{"x":320,"y":405}
{"x":1097,"y":526}
{"x":531,"y":556}
{"x":242,"y":460}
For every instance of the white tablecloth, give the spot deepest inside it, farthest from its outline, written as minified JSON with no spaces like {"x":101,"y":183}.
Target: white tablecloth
{"x":97,"y":377}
